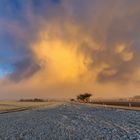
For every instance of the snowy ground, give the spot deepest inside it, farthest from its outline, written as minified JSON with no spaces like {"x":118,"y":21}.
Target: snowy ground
{"x":68,"y":121}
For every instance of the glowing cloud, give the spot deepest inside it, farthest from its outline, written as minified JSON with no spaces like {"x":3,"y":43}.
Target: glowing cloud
{"x":59,"y":60}
{"x":59,"y":49}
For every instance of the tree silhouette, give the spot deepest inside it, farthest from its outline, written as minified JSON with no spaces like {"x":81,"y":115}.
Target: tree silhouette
{"x":84,"y":97}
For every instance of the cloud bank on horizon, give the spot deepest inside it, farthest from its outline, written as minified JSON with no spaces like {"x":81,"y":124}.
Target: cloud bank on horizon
{"x":59,"y":48}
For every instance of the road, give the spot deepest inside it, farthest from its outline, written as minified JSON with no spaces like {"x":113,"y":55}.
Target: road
{"x":70,"y":121}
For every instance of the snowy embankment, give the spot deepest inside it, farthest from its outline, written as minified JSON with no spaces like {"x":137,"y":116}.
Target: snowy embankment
{"x":70,"y":121}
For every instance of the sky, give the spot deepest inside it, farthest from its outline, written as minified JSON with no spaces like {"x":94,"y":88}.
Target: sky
{"x":61,"y":48}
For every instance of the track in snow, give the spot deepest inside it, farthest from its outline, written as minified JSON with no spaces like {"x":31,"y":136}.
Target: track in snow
{"x":71,"y":122}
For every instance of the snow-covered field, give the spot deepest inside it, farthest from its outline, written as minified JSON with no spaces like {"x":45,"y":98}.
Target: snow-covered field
{"x":71,"y":121}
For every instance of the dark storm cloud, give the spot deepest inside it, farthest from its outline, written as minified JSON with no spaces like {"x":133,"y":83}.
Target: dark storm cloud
{"x":17,"y":30}
{"x":24,"y":69}
{"x":108,"y":23}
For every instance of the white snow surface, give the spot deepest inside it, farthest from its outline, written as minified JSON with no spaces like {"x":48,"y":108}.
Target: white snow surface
{"x":71,"y":121}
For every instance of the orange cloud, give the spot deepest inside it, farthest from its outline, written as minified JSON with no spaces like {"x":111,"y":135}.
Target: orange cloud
{"x":76,"y":50}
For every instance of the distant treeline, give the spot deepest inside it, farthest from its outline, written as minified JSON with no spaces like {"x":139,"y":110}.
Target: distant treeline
{"x":32,"y":100}
{"x":118,"y":103}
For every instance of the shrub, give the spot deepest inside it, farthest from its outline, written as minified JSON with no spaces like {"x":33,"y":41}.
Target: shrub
{"x":32,"y":100}
{"x":72,"y":100}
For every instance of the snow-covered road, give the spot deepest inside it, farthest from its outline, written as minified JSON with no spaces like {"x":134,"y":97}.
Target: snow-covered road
{"x":71,"y":122}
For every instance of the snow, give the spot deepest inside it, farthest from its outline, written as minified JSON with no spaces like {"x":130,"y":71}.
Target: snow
{"x":71,"y":121}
